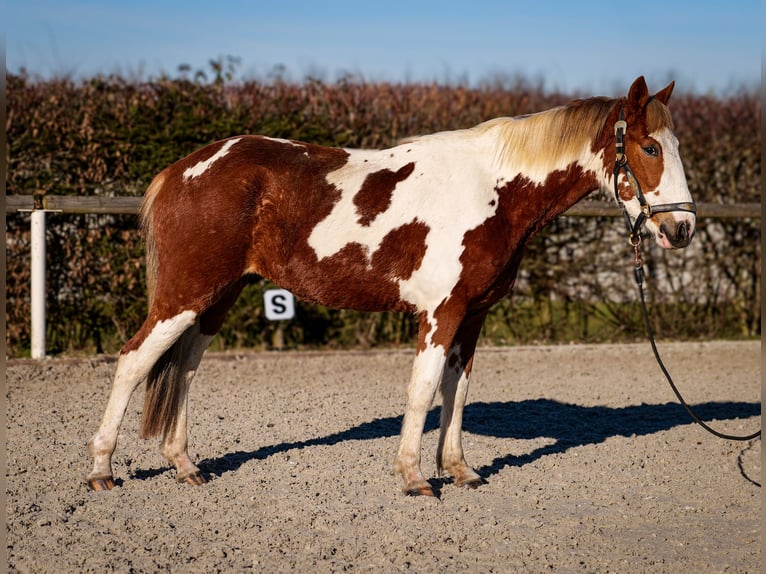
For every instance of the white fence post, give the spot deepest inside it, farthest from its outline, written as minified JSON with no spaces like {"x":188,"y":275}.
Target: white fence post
{"x":37,"y":270}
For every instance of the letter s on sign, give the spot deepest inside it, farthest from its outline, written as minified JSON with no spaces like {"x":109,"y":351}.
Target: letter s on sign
{"x":279,"y":304}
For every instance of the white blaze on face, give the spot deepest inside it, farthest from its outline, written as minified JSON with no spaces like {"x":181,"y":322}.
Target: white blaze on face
{"x":673,"y":187}
{"x":201,"y":167}
{"x":450,"y":198}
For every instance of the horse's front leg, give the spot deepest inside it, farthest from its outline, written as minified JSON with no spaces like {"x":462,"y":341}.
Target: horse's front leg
{"x":426,"y":372}
{"x":449,"y":455}
{"x":454,"y":389}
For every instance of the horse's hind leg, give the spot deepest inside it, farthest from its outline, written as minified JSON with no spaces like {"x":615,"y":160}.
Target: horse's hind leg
{"x":174,"y":445}
{"x":194,"y":342}
{"x":136,"y":360}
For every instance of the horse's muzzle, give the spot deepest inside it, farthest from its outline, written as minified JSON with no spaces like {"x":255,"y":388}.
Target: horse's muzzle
{"x":676,"y":234}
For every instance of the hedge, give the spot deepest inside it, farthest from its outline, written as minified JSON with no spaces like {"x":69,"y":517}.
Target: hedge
{"x":108,"y":135}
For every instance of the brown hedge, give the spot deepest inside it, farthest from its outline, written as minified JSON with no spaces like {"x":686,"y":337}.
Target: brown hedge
{"x":110,"y":136}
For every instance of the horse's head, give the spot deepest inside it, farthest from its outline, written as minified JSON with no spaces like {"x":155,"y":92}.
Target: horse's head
{"x":648,"y":175}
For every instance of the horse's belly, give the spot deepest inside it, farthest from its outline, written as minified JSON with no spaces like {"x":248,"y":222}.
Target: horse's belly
{"x":340,"y":283}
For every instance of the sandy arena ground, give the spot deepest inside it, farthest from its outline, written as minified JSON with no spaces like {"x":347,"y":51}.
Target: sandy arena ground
{"x":590,"y":464}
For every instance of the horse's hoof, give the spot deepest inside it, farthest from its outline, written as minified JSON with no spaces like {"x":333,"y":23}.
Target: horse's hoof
{"x":467,"y":477}
{"x":194,"y":479}
{"x":101,"y":483}
{"x":422,"y":491}
{"x":473,"y":484}
{"x":419,"y":490}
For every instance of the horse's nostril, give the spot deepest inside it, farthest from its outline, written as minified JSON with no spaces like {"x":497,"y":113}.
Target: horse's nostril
{"x":682,"y":233}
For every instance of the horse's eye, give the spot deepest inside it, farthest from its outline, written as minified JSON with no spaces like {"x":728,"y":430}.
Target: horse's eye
{"x":651,"y":150}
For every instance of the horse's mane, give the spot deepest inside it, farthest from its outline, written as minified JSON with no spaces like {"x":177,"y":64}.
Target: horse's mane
{"x":560,"y":135}
{"x":553,"y":137}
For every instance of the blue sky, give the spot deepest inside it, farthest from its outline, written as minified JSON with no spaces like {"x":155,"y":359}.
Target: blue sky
{"x":588,"y":46}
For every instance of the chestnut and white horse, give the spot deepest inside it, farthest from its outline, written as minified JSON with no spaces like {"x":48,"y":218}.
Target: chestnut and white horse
{"x":435,"y":226}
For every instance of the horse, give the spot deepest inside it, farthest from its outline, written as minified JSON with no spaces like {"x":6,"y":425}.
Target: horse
{"x":435,"y":226}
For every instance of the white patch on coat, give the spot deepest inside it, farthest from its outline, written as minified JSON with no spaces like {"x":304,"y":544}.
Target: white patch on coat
{"x":284,"y":141}
{"x":450,"y":190}
{"x":162,"y":336}
{"x":201,"y":167}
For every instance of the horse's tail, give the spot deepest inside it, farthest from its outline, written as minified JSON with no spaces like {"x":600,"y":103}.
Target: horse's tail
{"x":166,"y":389}
{"x":165,"y":381}
{"x":147,"y":228}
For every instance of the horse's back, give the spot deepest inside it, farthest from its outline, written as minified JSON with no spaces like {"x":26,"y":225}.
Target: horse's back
{"x":247,"y":206}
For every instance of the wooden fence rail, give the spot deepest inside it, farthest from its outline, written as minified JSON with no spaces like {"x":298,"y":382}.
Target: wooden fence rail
{"x":73,"y":204}
{"x":130,"y":205}
{"x":38,"y":205}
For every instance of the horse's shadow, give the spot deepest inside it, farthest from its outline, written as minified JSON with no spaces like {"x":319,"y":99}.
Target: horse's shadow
{"x":566,"y":424}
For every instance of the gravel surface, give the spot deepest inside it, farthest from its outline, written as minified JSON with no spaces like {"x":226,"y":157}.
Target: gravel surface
{"x":590,"y":464}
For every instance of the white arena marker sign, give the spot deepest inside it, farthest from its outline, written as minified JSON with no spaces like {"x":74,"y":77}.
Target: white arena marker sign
{"x":279,"y":304}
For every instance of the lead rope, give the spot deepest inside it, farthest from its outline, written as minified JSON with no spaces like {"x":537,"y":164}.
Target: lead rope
{"x":634,"y":238}
{"x":639,"y":276}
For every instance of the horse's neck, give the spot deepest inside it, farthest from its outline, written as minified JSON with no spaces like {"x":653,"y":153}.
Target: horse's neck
{"x":534,"y":184}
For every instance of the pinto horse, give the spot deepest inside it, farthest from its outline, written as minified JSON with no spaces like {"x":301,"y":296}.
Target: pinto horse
{"x":435,"y":226}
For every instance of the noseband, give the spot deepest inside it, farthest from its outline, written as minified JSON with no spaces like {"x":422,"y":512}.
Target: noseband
{"x":647,"y":211}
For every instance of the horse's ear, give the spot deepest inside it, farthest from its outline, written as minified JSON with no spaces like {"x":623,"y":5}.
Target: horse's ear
{"x":638,"y":95}
{"x":664,"y":94}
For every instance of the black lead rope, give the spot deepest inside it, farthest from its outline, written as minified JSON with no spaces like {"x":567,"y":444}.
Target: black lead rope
{"x":634,"y":237}
{"x":639,"y":276}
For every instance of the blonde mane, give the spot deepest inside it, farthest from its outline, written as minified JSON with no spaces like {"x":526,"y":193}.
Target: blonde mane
{"x":553,"y":137}
{"x":558,"y":136}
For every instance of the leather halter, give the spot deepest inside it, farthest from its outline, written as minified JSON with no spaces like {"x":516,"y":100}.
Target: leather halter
{"x":647,"y":211}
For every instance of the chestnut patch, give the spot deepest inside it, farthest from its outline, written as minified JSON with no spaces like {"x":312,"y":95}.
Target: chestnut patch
{"x":374,"y":197}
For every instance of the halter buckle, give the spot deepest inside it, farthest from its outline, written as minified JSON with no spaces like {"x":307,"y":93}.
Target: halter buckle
{"x":620,"y":125}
